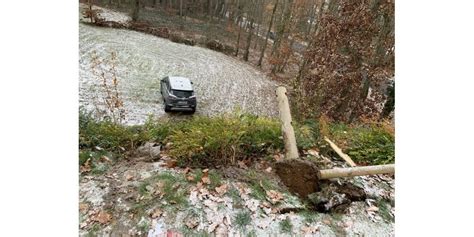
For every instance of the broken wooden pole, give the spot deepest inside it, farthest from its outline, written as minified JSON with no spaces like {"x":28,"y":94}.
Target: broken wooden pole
{"x":291,"y":151}
{"x":340,"y":153}
{"x":356,"y":171}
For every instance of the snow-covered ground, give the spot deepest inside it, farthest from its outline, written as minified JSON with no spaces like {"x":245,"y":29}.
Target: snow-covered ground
{"x":222,"y":83}
{"x":214,"y":213}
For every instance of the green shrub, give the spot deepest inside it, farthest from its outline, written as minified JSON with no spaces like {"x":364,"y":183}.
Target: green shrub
{"x":160,"y":129}
{"x":368,"y":143}
{"x":108,"y":135}
{"x":224,"y":139}
{"x":307,"y":134}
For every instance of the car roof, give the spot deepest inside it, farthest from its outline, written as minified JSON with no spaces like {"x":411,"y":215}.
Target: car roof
{"x":180,"y":83}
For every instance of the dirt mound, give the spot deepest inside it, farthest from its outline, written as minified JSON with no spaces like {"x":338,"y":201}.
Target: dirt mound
{"x":299,"y":176}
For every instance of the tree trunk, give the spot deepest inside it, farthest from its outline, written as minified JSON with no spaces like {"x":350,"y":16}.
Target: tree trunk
{"x":260,"y":18}
{"x":136,"y":10}
{"x":312,"y":16}
{"x":249,"y":40}
{"x":281,"y":34}
{"x":209,"y":9}
{"x":181,"y":8}
{"x":268,"y":33}
{"x":237,"y":47}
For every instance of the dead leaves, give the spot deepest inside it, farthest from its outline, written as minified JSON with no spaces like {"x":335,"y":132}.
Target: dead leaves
{"x":242,"y":165}
{"x":186,"y":170}
{"x":156,"y":213}
{"x":128,"y":177}
{"x":274,"y":196}
{"x":171,"y":163}
{"x":313,"y":153}
{"x":278,"y":157}
{"x":312,"y":229}
{"x":102,"y":217}
{"x":192,"y":222}
{"x":86,"y":167}
{"x":221,"y":189}
{"x":105,"y":159}
{"x":83,"y":207}
{"x":190,"y":178}
{"x":205,"y":177}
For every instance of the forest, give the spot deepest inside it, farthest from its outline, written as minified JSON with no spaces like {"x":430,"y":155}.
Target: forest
{"x":336,"y":56}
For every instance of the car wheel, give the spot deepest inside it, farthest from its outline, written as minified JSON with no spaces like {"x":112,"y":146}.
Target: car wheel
{"x":193,"y":110}
{"x":167,"y":108}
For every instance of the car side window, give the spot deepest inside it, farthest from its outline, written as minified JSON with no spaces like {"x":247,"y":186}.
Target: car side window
{"x":164,"y":85}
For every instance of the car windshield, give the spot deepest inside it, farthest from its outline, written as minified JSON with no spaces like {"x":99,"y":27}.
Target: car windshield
{"x":182,"y":94}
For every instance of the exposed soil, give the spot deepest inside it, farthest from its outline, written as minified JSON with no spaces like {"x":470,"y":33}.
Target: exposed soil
{"x":300,"y":176}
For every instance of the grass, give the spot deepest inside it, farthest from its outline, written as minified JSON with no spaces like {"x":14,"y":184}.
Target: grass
{"x":235,"y":195}
{"x":172,"y":187}
{"x":108,"y":135}
{"x":370,"y":143}
{"x":144,"y":226}
{"x":337,"y":216}
{"x":97,"y":165}
{"x":93,"y":231}
{"x":242,"y":219}
{"x":215,"y":179}
{"x":213,"y":175}
{"x":260,"y":184}
{"x":309,"y":216}
{"x":384,"y":210}
{"x":286,"y":226}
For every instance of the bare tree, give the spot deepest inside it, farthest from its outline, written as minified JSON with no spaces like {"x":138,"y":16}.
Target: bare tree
{"x":239,"y":23}
{"x":250,"y":27}
{"x":268,"y":34}
{"x":136,"y":10}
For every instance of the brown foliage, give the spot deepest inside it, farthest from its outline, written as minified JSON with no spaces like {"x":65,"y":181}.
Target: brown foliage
{"x":219,"y":47}
{"x":351,"y":51}
{"x":180,"y":38}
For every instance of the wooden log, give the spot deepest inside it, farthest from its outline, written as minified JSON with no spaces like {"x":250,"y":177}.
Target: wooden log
{"x":340,"y":153}
{"x":356,"y":171}
{"x":291,"y":151}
